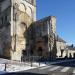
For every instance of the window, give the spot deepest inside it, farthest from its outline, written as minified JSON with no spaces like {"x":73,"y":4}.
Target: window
{"x":38,"y":30}
{"x":15,"y":10}
{"x":2,"y":20}
{"x":16,"y":17}
{"x":5,"y":18}
{"x":24,"y":25}
{"x":30,"y":1}
{"x":44,"y":27}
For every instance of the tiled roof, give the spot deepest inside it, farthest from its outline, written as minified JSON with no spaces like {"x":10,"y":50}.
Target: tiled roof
{"x":60,"y":39}
{"x":71,"y":48}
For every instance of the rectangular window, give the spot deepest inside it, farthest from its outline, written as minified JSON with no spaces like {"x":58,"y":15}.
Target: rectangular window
{"x":5,"y":18}
{"x":32,"y":1}
{"x":44,"y":27}
{"x":2,"y":20}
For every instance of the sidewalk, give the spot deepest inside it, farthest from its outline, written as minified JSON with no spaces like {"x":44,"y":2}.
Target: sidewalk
{"x":15,"y":66}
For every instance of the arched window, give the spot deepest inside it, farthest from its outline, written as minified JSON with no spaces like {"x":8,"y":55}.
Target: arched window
{"x":40,"y":51}
{"x":29,"y":11}
{"x":16,"y":6}
{"x":15,"y":12}
{"x":32,"y":1}
{"x":24,"y":25}
{"x":23,"y":29}
{"x":74,"y":55}
{"x":22,"y":7}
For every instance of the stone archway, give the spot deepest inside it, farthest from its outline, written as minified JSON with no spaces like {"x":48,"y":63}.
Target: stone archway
{"x":74,"y":55}
{"x":40,"y":51}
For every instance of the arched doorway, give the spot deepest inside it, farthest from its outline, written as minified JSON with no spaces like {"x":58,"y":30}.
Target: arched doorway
{"x":40,"y":51}
{"x":70,"y":55}
{"x":74,"y":55}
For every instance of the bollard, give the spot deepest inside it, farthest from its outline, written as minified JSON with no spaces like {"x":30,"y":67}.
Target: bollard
{"x":31,"y":64}
{"x":5,"y":67}
{"x":39,"y":64}
{"x":45,"y":62}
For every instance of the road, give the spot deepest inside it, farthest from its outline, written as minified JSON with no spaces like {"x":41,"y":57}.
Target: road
{"x":66,"y":67}
{"x":52,"y":69}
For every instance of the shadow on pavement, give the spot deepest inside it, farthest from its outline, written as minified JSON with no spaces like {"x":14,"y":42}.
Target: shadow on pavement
{"x":22,"y":73}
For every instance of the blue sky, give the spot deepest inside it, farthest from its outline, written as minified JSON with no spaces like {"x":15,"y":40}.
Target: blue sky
{"x":64,"y":10}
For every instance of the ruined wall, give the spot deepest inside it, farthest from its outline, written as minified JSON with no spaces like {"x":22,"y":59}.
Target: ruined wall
{"x":51,"y":32}
{"x":53,"y":24}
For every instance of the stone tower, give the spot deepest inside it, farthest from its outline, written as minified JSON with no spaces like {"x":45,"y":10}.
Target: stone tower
{"x":19,"y":14}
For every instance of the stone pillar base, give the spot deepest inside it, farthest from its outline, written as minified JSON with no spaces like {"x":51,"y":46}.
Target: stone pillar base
{"x":16,"y":56}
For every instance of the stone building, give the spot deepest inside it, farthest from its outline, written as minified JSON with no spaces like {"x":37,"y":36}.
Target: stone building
{"x":21,"y":35}
{"x":70,"y":51}
{"x":45,"y":42}
{"x":43,"y":32}
{"x":61,"y":47}
{"x":15,"y":18}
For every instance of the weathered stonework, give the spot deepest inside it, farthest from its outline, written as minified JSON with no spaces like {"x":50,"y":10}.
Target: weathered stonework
{"x":44,"y":31}
{"x":21,"y":14}
{"x":25,"y":13}
{"x":21,"y":35}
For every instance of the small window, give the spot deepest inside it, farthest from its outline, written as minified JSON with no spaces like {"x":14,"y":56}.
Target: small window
{"x":32,"y":1}
{"x":5,"y":18}
{"x":2,"y":20}
{"x":24,"y":25}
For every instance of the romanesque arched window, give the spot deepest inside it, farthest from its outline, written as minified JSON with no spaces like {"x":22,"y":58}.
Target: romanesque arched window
{"x":23,"y":28}
{"x":23,"y":24}
{"x":15,"y":11}
{"x":30,"y":1}
{"x":22,"y":7}
{"x":29,"y":11}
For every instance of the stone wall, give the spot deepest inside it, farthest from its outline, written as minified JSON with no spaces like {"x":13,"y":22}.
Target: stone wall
{"x":70,"y":53}
{"x":61,"y":46}
{"x":13,"y":37}
{"x":5,"y":4}
{"x":5,"y":37}
{"x":25,"y":16}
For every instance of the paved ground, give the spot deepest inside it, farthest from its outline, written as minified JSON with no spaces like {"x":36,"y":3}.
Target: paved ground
{"x":53,"y":69}
{"x":61,"y":68}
